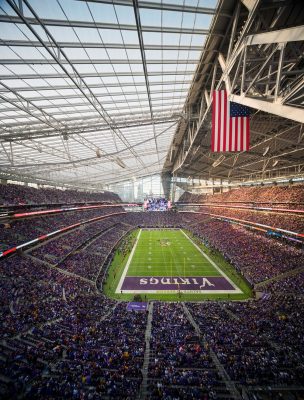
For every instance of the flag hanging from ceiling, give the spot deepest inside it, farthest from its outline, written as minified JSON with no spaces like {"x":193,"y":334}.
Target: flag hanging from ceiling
{"x":230,"y":124}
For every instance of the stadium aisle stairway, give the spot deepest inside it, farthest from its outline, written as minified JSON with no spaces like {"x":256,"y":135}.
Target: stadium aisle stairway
{"x":143,"y":393}
{"x":253,"y":339}
{"x":180,"y":364}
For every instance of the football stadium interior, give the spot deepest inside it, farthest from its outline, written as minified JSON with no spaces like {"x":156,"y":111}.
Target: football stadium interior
{"x":152,"y":199}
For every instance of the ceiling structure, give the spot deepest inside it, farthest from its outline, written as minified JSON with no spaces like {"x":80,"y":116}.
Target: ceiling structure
{"x":101,"y":91}
{"x":258,"y":58}
{"x":91,"y":92}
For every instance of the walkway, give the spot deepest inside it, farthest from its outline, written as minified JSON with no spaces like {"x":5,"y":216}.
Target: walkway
{"x":221,"y":370}
{"x":143,"y":392}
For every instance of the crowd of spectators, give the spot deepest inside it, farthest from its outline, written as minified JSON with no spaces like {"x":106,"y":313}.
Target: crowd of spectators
{"x":286,"y":221}
{"x":11,"y":194}
{"x":257,"y":342}
{"x":168,"y":219}
{"x":180,"y":365}
{"x":59,"y":247}
{"x":256,"y":257}
{"x":20,"y":231}
{"x":61,"y":338}
{"x":228,"y":204}
{"x":103,"y":355}
{"x":279,"y":196}
{"x":275,"y":195}
{"x":188,"y":197}
{"x":87,"y":262}
{"x":30,"y":292}
{"x":292,"y":284}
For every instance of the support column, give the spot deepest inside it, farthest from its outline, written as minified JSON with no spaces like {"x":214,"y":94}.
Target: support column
{"x":173,"y":188}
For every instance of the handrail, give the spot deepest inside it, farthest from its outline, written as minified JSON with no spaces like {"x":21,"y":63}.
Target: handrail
{"x":255,"y":225}
{"x":54,"y":233}
{"x":253,"y":208}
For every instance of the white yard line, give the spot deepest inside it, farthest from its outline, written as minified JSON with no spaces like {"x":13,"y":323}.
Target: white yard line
{"x":237,"y":289}
{"x":123,"y":275}
{"x":221,"y":291}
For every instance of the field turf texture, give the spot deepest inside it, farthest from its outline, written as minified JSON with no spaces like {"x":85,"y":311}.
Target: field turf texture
{"x":168,"y":264}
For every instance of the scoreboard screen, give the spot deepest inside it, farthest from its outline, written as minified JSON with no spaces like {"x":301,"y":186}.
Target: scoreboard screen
{"x":156,"y":204}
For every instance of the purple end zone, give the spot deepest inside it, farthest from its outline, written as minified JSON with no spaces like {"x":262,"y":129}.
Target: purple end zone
{"x":176,"y":283}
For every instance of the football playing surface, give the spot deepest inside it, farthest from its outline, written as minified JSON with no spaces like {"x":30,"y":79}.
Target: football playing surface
{"x":168,"y":261}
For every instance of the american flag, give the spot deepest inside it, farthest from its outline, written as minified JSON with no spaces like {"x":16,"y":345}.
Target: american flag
{"x":230,"y":124}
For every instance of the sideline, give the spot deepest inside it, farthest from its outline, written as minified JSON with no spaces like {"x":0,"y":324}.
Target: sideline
{"x":123,"y":275}
{"x":237,"y":289}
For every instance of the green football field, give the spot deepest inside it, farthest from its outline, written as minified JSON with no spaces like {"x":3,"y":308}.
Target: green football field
{"x":167,"y":264}
{"x":168,"y":253}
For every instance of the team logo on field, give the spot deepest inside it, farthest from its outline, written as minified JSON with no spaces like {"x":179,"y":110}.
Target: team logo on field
{"x":164,"y":242}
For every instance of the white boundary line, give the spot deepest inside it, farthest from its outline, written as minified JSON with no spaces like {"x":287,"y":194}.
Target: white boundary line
{"x":237,"y":289}
{"x":123,"y":275}
{"x":183,"y":291}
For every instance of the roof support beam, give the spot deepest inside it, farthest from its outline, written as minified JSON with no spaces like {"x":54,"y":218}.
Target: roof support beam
{"x":94,"y":75}
{"x":93,"y":116}
{"x":99,"y":45}
{"x":68,"y":105}
{"x":293,"y":113}
{"x":94,"y":86}
{"x":102,"y":25}
{"x":144,"y":64}
{"x":23,"y":134}
{"x":294,"y":34}
{"x":176,"y":92}
{"x":149,"y":5}
{"x":120,"y":61}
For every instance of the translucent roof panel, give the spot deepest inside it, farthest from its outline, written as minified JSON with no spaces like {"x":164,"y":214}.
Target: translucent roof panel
{"x":91,"y":92}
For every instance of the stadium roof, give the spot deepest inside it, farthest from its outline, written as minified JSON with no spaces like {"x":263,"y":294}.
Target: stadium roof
{"x":100,"y":91}
{"x":91,"y":91}
{"x":258,"y":57}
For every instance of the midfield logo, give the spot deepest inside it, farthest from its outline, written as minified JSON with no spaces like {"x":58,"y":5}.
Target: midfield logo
{"x":199,"y":281}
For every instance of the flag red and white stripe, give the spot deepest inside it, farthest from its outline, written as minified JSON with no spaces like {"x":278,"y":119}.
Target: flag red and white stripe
{"x":230,"y":130}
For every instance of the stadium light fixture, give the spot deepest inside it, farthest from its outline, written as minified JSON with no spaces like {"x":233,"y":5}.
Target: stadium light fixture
{"x":120,"y":162}
{"x":266,"y":151}
{"x":218,"y":161}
